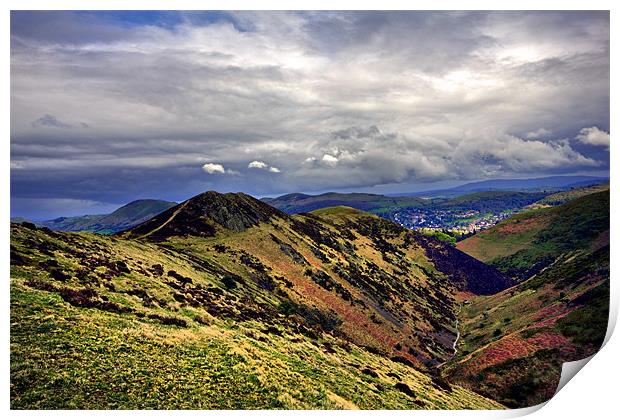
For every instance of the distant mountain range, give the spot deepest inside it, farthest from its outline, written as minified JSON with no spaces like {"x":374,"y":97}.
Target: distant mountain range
{"x":549,"y":184}
{"x":517,"y":193}
{"x":486,"y":197}
{"x":123,"y":218}
{"x":483,"y":196}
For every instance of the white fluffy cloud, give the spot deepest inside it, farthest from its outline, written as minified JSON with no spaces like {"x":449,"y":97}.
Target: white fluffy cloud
{"x":593,"y":136}
{"x":329,"y":160}
{"x":213,"y":168}
{"x":256,"y":164}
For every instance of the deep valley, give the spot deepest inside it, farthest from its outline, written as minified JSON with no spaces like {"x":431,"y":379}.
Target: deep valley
{"x":223,"y":301}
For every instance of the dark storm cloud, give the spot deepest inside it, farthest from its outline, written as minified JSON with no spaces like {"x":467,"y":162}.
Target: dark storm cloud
{"x":107,"y":107}
{"x":49,"y":121}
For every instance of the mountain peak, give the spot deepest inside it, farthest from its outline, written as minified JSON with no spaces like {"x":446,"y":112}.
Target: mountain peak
{"x":205,"y":214}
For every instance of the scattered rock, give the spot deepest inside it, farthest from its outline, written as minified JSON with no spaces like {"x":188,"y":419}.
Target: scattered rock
{"x":59,"y":275}
{"x":404,"y":388}
{"x":370,"y":372}
{"x":157,"y":270}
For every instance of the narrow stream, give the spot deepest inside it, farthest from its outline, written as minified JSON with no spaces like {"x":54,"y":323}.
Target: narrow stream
{"x":456,"y":340}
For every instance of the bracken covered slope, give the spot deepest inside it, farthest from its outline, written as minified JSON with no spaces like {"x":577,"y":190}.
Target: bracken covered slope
{"x":383,"y":282}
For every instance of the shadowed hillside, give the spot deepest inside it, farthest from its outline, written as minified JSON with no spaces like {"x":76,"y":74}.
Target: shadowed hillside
{"x":488,"y":201}
{"x":491,"y":201}
{"x":203,"y":214}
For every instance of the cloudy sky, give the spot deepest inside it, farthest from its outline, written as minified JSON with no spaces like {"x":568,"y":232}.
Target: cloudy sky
{"x":108,"y":107}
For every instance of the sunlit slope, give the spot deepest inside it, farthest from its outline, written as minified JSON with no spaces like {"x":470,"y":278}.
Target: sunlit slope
{"x":72,"y":357}
{"x":528,"y":242}
{"x":564,"y":196}
{"x":384,"y":283}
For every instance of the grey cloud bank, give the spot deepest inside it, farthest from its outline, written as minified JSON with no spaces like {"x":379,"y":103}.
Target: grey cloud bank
{"x":106,"y":109}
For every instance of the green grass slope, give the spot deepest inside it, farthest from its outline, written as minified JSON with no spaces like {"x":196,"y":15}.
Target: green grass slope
{"x":514,"y":343}
{"x":69,"y":357}
{"x":562,"y":197}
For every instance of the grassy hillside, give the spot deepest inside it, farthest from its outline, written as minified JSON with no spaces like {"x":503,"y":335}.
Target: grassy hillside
{"x":377,"y":277}
{"x":71,"y":357}
{"x":526,"y":243}
{"x":513,"y":343}
{"x":236,"y":305}
{"x":226,"y":302}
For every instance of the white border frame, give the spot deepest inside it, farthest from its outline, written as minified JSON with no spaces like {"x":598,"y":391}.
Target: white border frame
{"x":591,"y":395}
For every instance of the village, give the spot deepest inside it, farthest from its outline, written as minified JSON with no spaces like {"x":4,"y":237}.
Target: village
{"x":457,"y":221}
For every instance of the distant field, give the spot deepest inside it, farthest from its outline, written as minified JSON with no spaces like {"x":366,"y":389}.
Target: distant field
{"x":505,"y":238}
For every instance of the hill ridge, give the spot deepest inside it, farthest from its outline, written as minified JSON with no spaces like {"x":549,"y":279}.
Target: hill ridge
{"x":205,"y":213}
